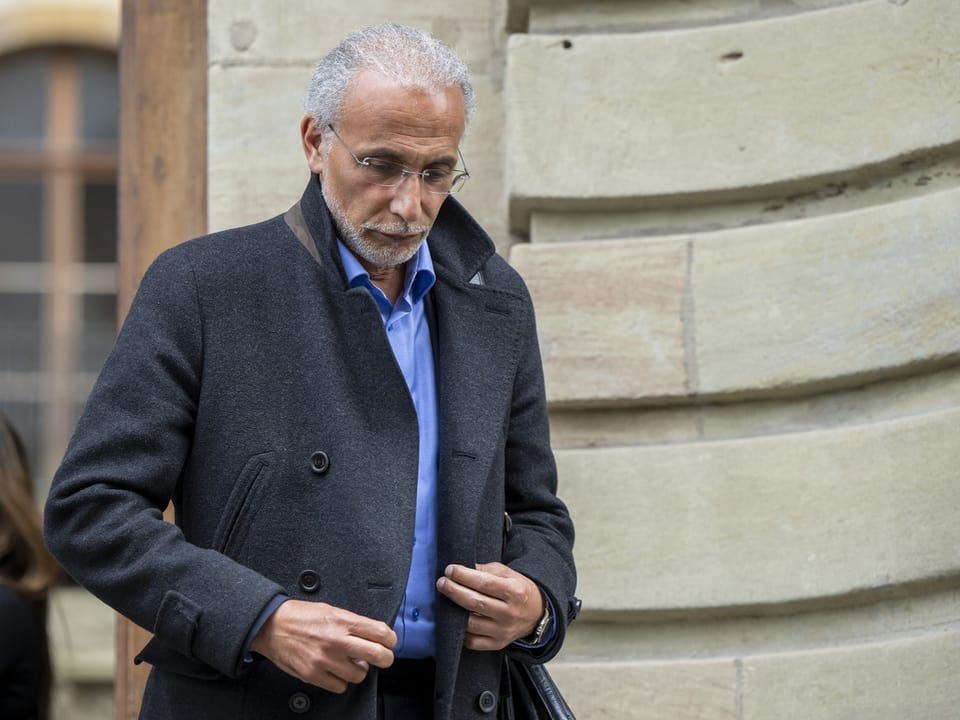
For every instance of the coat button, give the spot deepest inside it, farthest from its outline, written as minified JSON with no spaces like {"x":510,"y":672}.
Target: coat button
{"x":487,"y":702}
{"x":309,"y":581}
{"x":299,"y":703}
{"x":319,"y":462}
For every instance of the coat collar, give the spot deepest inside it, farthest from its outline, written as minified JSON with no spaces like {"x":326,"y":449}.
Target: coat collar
{"x":457,"y":242}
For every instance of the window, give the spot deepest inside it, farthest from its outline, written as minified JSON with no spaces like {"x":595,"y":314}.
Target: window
{"x":58,"y":236}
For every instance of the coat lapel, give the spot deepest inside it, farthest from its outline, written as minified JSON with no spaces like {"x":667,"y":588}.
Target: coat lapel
{"x":476,"y":341}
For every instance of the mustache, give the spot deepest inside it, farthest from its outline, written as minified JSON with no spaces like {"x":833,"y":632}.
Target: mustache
{"x":398,"y":228}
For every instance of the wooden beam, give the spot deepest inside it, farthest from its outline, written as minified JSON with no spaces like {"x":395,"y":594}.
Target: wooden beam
{"x":62,"y":224}
{"x":97,"y":163}
{"x":162,"y":187}
{"x":163,"y":132}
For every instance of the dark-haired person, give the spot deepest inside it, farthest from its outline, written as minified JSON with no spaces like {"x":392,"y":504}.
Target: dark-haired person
{"x":342,"y":403}
{"x":27,"y":572}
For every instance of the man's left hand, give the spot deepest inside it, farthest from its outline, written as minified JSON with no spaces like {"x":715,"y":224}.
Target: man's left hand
{"x":504,"y":605}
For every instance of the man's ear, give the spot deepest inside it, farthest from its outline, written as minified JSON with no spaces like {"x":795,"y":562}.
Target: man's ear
{"x":311,"y":137}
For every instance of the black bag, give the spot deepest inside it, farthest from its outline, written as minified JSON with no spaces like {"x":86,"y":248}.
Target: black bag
{"x":529,"y":693}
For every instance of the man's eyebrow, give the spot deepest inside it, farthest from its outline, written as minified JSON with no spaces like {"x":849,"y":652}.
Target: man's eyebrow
{"x":393,"y":156}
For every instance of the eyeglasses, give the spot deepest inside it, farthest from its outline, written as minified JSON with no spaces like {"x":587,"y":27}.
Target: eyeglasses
{"x":387,"y":173}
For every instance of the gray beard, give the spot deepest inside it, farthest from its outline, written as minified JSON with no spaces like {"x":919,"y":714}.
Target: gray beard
{"x":377,"y":254}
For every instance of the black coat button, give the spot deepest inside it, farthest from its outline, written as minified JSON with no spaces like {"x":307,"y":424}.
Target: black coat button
{"x":299,"y":703}
{"x":309,"y":581}
{"x":487,"y":702}
{"x":319,"y":462}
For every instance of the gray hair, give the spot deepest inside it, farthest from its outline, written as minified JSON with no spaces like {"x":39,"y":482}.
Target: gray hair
{"x":404,"y":54}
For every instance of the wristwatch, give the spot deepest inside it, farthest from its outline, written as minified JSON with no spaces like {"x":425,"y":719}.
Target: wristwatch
{"x":536,"y":637}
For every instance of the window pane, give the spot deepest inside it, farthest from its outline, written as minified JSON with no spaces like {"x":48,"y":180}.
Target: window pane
{"x":99,"y":330}
{"x":100,"y":222}
{"x":26,"y":420}
{"x":21,"y":221}
{"x":23,"y":76}
{"x":100,"y":104}
{"x":20,"y":332}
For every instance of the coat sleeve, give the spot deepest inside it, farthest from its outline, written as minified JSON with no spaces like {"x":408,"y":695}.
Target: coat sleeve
{"x":540,"y":541}
{"x":104,"y":515}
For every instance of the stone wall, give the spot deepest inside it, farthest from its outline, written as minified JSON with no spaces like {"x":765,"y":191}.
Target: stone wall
{"x":738,"y":220}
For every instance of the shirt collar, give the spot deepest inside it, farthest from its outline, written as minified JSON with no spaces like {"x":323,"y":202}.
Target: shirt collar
{"x":420,"y":275}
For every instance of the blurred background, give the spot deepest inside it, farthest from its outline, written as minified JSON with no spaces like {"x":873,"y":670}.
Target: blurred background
{"x":59,"y":120}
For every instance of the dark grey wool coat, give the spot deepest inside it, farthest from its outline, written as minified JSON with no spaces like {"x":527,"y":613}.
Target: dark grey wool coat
{"x":255,"y":389}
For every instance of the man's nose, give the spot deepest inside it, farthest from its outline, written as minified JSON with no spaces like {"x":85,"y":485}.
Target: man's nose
{"x":407,"y":197}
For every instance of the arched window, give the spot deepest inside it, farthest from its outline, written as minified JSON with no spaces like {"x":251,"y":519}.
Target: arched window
{"x":59,"y":114}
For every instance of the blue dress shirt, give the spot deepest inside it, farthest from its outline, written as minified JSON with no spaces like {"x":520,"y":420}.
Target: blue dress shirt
{"x":409,"y":334}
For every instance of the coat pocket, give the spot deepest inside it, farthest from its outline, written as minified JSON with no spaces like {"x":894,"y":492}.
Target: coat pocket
{"x":243,"y":505}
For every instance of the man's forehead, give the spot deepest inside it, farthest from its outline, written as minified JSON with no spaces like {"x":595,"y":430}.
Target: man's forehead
{"x":378,"y":109}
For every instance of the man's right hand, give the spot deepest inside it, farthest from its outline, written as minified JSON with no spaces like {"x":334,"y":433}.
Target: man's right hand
{"x":324,"y":645}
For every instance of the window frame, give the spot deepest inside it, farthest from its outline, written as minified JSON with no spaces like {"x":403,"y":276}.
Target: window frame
{"x":63,"y":165}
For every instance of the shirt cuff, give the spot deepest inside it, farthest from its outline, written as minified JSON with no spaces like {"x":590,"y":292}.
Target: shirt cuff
{"x":262,"y":618}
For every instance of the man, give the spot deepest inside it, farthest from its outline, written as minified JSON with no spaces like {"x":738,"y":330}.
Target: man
{"x":350,"y":421}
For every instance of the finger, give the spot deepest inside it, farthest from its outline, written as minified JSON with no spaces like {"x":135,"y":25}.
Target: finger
{"x":518,"y":589}
{"x":373,"y":631}
{"x":470,"y":599}
{"x":484,"y":643}
{"x":364,"y":653}
{"x":350,"y":671}
{"x":498,"y":569}
{"x":329,"y":681}
{"x":479,"y":625}
{"x":321,"y":678}
{"x":482,"y":582}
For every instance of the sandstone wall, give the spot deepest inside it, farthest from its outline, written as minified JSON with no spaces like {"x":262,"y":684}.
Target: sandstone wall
{"x":739,"y":223}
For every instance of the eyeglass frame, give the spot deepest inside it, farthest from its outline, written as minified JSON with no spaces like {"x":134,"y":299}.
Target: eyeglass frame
{"x":459,"y":178}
